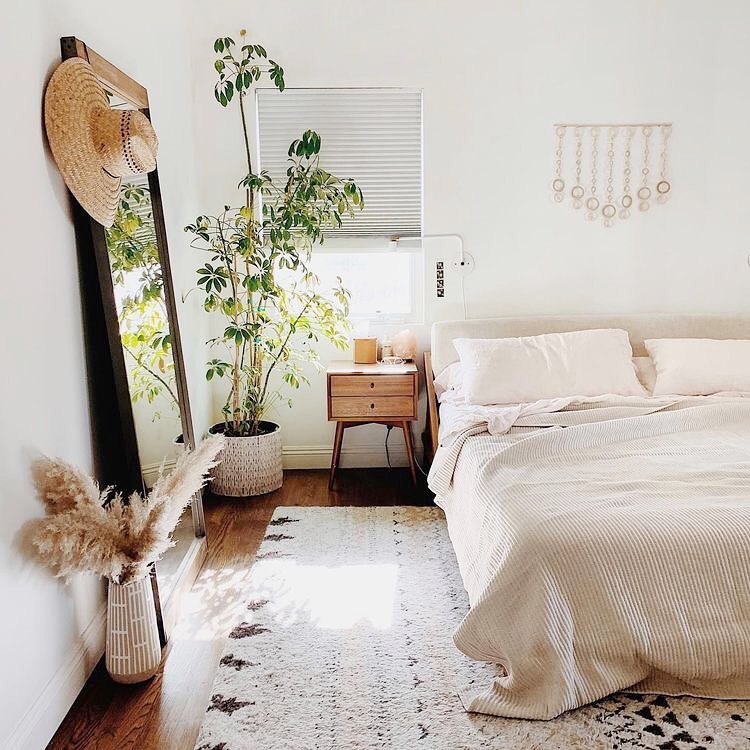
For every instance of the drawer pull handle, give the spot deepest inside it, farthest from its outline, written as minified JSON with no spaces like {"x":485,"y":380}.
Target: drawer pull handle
{"x":372,"y":385}
{"x":372,"y":406}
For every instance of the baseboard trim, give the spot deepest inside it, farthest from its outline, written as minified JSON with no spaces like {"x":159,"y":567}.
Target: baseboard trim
{"x":43,"y":718}
{"x":40,"y":722}
{"x":151,"y":471}
{"x":352,"y":457}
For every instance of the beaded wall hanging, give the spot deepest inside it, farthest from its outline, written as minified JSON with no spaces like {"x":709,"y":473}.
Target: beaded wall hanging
{"x":625,"y":148}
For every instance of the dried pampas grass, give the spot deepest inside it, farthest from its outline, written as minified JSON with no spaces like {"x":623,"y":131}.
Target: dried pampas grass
{"x":88,"y":529}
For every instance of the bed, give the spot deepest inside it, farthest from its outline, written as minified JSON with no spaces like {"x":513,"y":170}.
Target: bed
{"x":604,"y":546}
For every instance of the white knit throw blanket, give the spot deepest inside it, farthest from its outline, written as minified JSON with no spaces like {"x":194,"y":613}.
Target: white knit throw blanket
{"x":602,"y":554}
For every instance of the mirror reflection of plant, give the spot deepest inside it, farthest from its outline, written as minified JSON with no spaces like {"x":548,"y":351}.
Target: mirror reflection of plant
{"x":259,"y":276}
{"x":144,"y":327}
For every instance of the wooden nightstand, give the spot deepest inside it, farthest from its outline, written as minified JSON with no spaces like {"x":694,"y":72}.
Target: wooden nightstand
{"x":362,"y":394}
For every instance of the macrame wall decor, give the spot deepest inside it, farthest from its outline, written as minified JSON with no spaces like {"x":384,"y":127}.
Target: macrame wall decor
{"x":603,"y":185}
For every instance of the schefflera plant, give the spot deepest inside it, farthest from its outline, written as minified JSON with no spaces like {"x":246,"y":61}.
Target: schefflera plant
{"x":258,"y":274}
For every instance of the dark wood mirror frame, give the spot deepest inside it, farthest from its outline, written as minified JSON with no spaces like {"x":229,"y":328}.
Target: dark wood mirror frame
{"x":112,"y":420}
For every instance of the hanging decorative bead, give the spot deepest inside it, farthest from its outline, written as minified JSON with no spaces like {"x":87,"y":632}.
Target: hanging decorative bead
{"x":609,"y":210}
{"x":558,"y":184}
{"x":592,"y":202}
{"x":626,"y":201}
{"x":578,"y":191}
{"x":611,"y":205}
{"x":644,"y":191}
{"x":664,"y":186}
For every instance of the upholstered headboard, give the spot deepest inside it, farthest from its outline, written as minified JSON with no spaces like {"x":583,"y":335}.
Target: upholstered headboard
{"x":640,"y":327}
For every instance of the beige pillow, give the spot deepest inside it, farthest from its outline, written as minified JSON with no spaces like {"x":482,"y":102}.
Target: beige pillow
{"x":700,"y":367}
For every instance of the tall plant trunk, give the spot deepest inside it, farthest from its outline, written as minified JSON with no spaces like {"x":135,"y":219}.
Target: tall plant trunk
{"x":236,"y":387}
{"x":250,"y":204}
{"x":249,"y":195}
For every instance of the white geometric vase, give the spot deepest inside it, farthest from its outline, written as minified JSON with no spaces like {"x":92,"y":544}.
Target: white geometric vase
{"x":249,"y":466}
{"x":133,"y":651}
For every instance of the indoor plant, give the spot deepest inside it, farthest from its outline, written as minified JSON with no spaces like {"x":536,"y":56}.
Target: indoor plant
{"x":139,"y":289}
{"x":259,"y":279}
{"x":97,"y":531}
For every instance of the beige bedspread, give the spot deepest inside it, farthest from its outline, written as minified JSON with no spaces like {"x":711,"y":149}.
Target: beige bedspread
{"x":603,"y":554}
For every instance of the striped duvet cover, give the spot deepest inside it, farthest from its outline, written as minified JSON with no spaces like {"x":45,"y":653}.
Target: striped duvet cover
{"x":603,"y":552}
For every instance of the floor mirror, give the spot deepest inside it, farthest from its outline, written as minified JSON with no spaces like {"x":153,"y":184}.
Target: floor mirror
{"x":140,"y":403}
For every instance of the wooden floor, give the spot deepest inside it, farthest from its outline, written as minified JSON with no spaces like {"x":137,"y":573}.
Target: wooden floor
{"x":166,"y":713}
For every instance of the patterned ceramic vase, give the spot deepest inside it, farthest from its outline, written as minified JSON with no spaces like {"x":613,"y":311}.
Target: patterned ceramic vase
{"x":133,"y":652}
{"x":249,"y":465}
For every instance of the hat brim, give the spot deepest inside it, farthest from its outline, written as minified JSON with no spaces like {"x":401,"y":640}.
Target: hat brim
{"x":73,"y":94}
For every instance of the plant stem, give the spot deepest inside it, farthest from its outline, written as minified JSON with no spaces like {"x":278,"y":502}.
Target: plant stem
{"x":237,"y":363}
{"x":153,"y":374}
{"x":281,"y":350}
{"x":249,"y":196}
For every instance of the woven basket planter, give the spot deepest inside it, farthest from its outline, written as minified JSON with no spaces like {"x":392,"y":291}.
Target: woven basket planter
{"x":249,"y":465}
{"x":133,"y":650}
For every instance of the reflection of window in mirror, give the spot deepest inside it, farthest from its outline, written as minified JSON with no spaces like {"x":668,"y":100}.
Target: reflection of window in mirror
{"x":138,"y":284}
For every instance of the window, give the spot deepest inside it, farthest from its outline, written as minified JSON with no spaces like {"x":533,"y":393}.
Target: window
{"x":385,"y":286}
{"x":373,"y":136}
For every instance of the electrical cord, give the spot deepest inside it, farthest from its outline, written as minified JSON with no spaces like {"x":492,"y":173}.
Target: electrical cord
{"x":416,"y":463}
{"x":389,"y":427}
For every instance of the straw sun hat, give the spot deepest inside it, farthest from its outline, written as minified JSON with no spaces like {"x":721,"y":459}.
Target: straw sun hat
{"x":94,"y":145}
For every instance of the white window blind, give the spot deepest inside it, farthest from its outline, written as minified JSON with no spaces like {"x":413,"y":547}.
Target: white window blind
{"x":373,"y":136}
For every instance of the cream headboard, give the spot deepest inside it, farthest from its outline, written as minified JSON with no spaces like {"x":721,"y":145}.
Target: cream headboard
{"x":640,"y":327}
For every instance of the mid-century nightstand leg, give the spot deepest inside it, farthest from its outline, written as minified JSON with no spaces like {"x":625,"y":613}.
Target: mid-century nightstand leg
{"x":409,"y":451}
{"x":338,"y":439}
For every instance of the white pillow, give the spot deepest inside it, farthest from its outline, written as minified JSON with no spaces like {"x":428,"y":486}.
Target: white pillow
{"x":700,"y":367}
{"x":449,"y":379}
{"x":554,"y":365}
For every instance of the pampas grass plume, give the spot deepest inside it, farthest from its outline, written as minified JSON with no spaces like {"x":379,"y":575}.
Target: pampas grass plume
{"x":98,"y":531}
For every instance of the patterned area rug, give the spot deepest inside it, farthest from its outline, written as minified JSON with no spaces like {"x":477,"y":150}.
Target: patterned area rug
{"x":346,"y":643}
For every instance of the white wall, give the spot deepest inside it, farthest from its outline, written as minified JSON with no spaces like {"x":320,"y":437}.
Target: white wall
{"x":51,"y":633}
{"x":495,"y":77}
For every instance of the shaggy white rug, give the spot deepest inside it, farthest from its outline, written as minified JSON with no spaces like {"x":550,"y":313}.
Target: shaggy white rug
{"x":346,"y":643}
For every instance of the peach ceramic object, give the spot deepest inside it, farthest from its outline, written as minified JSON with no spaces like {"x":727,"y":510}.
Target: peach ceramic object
{"x":405,"y":345}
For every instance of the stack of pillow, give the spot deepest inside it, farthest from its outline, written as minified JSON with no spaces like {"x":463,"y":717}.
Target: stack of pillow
{"x":593,"y":363}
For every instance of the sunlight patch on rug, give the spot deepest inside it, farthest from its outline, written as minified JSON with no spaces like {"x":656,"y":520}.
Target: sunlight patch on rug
{"x":329,"y":597}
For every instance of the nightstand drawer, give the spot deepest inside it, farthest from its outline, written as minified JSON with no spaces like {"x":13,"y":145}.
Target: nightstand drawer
{"x":375,"y":385}
{"x":348,"y":407}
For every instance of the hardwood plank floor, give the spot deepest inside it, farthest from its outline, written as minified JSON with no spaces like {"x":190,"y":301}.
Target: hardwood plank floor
{"x":166,"y":713}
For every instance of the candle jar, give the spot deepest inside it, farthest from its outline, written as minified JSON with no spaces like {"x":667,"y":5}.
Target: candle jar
{"x":365,"y":351}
